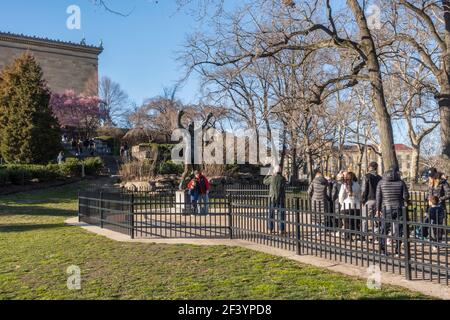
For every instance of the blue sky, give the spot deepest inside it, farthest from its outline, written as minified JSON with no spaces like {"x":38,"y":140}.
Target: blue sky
{"x":140,"y":50}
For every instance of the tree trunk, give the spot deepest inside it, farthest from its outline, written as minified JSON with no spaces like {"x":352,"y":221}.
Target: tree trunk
{"x":294,"y":166}
{"x":414,"y":171}
{"x":309,"y":160}
{"x":444,"y":98}
{"x":379,"y":101}
{"x":310,"y":165}
{"x":444,"y":113}
{"x":360,"y":161}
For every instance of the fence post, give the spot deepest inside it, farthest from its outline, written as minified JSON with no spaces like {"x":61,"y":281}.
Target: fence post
{"x":101,"y":209}
{"x":230,"y":218}
{"x":297,"y":224}
{"x":79,"y":207}
{"x":132,"y":215}
{"x":406,"y":243}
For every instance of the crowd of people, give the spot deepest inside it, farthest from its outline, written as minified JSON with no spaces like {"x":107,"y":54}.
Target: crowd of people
{"x":81,"y":147}
{"x":351,"y":208}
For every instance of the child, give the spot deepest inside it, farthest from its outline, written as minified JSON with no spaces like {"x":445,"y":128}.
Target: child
{"x":435,"y":216}
{"x":194,"y":191}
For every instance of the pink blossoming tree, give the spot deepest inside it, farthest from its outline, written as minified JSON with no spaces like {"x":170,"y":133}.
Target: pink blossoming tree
{"x":77,"y":111}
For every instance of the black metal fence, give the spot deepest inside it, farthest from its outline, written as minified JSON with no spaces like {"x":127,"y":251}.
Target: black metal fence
{"x":107,"y":209}
{"x":403,"y":240}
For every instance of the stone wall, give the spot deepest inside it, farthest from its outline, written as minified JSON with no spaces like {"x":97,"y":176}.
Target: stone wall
{"x":65,"y":65}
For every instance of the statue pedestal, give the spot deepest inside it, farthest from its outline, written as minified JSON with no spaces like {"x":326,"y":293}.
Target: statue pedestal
{"x":182,"y":202}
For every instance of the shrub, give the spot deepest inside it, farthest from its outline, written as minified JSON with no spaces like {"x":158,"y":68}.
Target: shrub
{"x":93,"y":166}
{"x":71,"y":167}
{"x":22,"y":174}
{"x":4,"y":177}
{"x":170,"y":167}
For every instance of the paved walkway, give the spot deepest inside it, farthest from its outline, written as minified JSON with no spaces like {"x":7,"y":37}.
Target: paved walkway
{"x":431,"y":289}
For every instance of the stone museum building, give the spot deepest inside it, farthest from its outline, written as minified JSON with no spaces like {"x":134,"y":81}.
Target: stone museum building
{"x":66,"y":65}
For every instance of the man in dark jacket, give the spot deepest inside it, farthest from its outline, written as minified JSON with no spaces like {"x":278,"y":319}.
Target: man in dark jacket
{"x":369,"y":194}
{"x":277,"y":196}
{"x":392,"y":194}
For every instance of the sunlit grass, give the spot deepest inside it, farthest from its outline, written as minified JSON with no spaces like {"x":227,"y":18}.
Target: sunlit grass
{"x":37,"y":247}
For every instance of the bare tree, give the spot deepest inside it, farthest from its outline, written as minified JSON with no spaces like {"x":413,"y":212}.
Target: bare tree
{"x":114,"y":101}
{"x":302,"y":28}
{"x":424,"y":26}
{"x":412,"y":102}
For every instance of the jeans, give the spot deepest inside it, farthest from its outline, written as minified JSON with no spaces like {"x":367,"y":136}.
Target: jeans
{"x":203,"y":204}
{"x":392,"y":219}
{"x":194,"y":202}
{"x":350,"y":223}
{"x":367,"y":213}
{"x":279,"y":206}
{"x":435,"y":233}
{"x":323,"y":218}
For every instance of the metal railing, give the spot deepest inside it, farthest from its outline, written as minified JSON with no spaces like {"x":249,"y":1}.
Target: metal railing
{"x":403,"y":240}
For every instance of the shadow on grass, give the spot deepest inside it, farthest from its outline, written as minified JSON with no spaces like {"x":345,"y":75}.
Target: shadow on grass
{"x":35,"y":211}
{"x":29,"y":227}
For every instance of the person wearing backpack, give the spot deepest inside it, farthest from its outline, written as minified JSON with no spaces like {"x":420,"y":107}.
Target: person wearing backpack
{"x":369,"y":196}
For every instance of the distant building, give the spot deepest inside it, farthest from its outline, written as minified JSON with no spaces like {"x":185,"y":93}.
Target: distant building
{"x":65,"y":65}
{"x":351,"y":158}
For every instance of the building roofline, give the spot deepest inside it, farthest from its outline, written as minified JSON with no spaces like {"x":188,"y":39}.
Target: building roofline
{"x":51,"y":43}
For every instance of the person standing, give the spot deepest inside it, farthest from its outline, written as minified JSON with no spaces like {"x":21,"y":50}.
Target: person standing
{"x":60,"y":157}
{"x":194,"y":192}
{"x":391,"y":196}
{"x":435,"y":216}
{"x":369,"y":195}
{"x":350,"y":201}
{"x":334,"y":196}
{"x":320,"y":201}
{"x":277,"y":198}
{"x":203,"y":200}
{"x":439,"y":187}
{"x":126,"y":152}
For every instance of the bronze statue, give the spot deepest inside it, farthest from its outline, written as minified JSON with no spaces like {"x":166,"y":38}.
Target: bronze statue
{"x":190,"y":167}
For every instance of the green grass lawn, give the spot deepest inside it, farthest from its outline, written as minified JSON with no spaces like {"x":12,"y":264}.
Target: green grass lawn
{"x":37,"y":247}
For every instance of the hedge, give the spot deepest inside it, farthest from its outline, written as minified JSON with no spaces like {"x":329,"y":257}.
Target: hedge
{"x":17,"y":174}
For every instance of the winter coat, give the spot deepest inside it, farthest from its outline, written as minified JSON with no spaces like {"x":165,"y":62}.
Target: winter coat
{"x":369,"y":187}
{"x":392,"y":191}
{"x":318,"y":190}
{"x":348,"y":201}
{"x":442,"y":191}
{"x":277,"y":187}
